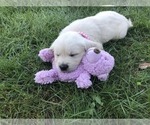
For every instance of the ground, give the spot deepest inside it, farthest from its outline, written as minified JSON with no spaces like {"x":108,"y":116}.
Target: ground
{"x":24,"y":31}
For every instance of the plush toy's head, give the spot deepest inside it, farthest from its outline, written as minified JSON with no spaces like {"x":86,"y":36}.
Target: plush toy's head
{"x":98,"y":63}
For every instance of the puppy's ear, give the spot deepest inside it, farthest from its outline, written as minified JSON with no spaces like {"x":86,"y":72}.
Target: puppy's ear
{"x":88,"y":44}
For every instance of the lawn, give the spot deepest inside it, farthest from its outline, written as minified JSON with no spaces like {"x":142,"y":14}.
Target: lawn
{"x":24,"y":31}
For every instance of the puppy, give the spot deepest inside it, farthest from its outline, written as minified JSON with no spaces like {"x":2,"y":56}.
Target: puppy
{"x":93,"y":31}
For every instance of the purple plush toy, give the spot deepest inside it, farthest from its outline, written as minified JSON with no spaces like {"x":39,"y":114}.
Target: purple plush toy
{"x":95,"y":62}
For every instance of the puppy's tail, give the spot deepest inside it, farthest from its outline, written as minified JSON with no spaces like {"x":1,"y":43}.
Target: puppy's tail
{"x":130,"y":23}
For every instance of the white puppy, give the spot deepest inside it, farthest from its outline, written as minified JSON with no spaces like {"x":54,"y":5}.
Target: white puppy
{"x":71,"y":44}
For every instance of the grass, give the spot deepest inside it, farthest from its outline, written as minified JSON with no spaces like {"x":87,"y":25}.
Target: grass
{"x":24,"y":31}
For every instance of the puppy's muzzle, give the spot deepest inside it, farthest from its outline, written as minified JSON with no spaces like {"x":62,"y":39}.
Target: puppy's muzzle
{"x":64,"y":67}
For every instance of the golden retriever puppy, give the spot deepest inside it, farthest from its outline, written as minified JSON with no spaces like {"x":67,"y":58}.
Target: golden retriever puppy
{"x":93,"y":31}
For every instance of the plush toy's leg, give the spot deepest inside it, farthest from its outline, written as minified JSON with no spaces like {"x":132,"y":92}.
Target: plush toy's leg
{"x":83,"y":81}
{"x":46,"y":55}
{"x":45,"y":77}
{"x":103,"y":77}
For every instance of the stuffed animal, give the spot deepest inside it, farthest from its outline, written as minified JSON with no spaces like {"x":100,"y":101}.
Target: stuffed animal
{"x":95,"y":62}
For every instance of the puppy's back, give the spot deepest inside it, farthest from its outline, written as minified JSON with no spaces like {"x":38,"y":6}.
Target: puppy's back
{"x":102,"y":27}
{"x":113,"y":16}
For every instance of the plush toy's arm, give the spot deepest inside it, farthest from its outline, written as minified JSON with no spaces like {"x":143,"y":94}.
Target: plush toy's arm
{"x":103,"y":77}
{"x":46,"y":55}
{"x":46,"y":76}
{"x":83,"y":81}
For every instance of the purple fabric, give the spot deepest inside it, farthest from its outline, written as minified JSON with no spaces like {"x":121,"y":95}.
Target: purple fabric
{"x":83,"y":81}
{"x":96,"y":64}
{"x":46,"y":76}
{"x":101,"y":66}
{"x":46,"y":55}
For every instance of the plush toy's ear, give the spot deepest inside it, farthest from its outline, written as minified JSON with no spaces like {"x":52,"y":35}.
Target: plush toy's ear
{"x":46,"y":55}
{"x":89,"y":44}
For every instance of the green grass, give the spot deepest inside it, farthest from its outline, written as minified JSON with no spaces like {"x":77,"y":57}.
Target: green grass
{"x":24,"y":31}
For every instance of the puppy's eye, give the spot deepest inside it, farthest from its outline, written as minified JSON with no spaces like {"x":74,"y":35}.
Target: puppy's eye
{"x":57,"y":54}
{"x":72,"y":55}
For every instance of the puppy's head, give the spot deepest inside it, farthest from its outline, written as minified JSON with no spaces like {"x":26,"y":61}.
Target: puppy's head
{"x":69,"y":49}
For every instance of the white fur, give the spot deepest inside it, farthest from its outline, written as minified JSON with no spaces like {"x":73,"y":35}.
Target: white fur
{"x":101,"y":28}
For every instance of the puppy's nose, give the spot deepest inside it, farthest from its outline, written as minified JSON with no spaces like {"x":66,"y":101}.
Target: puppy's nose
{"x":63,"y":67}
